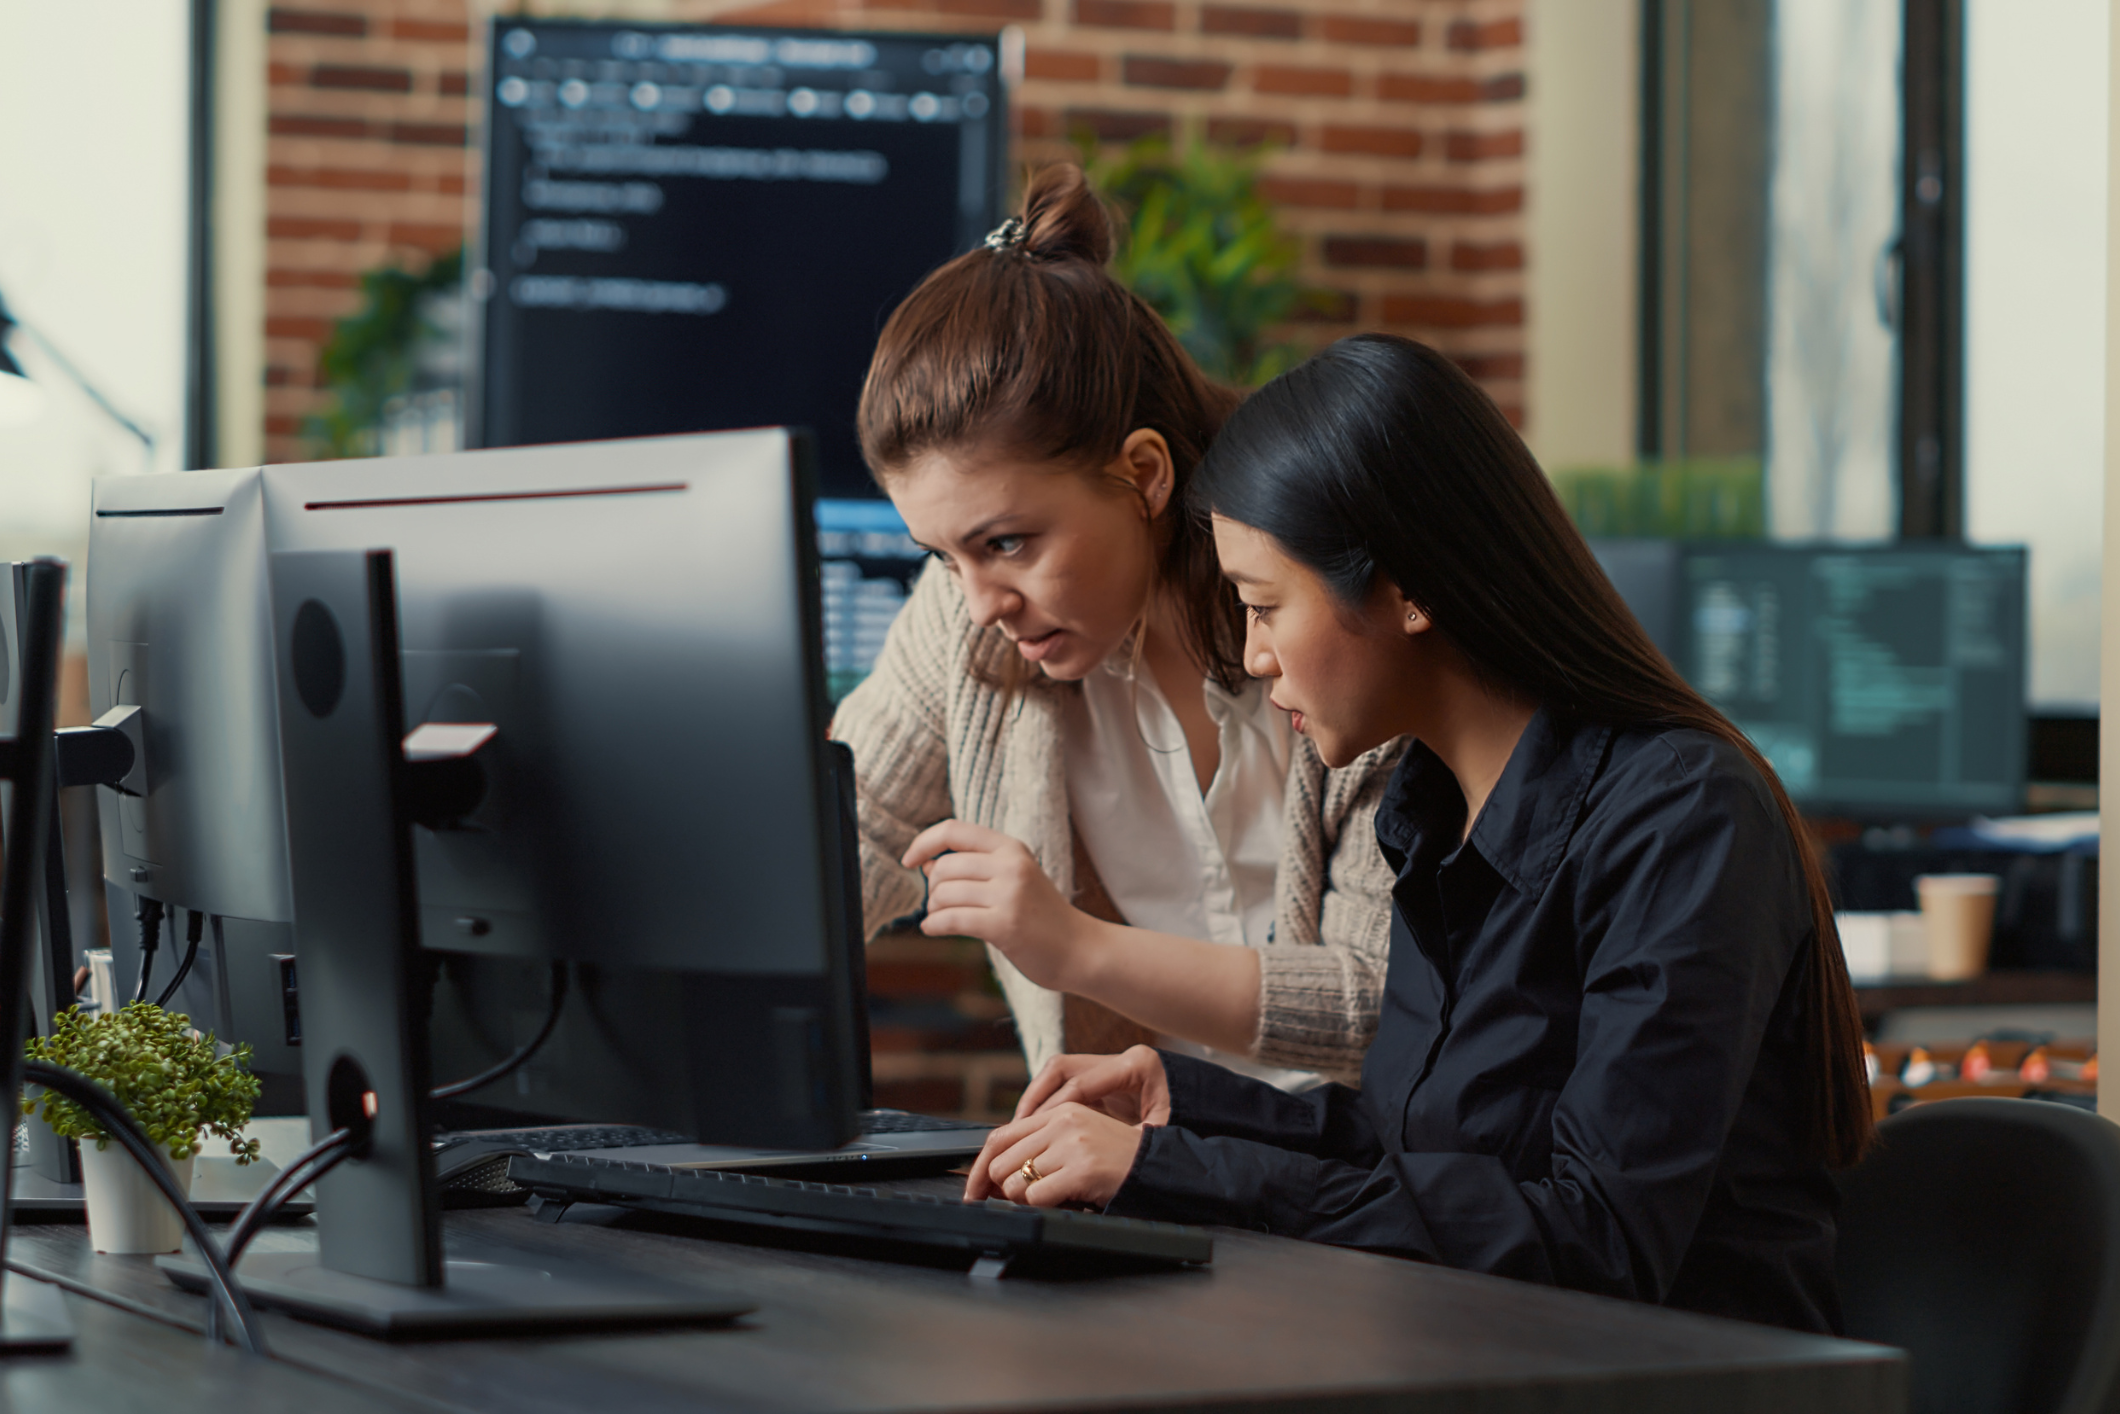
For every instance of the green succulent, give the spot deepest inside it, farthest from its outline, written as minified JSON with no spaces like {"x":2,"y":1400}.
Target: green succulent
{"x":1206,"y":252}
{"x":166,"y":1075}
{"x":373,"y":354}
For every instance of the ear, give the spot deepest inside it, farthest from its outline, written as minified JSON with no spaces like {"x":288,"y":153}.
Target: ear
{"x":1144,"y":459}
{"x":1405,"y":615}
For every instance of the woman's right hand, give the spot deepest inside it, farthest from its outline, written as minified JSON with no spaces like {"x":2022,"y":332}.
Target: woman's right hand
{"x":1130,"y":1087}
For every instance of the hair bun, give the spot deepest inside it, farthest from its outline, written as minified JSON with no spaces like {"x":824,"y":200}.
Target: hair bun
{"x":1064,"y":219}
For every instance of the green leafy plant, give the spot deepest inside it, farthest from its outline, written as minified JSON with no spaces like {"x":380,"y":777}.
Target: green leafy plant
{"x":1205,"y":251}
{"x":372,"y":355}
{"x":166,"y":1075}
{"x":1701,"y":498}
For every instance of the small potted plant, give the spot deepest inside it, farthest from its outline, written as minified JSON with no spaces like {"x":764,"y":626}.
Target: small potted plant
{"x":177,"y":1089}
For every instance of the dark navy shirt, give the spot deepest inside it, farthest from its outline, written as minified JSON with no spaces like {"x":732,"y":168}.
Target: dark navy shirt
{"x":1588,"y":1070}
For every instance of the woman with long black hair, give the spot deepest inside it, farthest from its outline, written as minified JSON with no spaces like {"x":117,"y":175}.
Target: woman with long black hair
{"x":1618,"y":1049}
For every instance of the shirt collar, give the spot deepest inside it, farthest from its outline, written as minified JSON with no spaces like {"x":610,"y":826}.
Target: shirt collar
{"x":1527,"y":819}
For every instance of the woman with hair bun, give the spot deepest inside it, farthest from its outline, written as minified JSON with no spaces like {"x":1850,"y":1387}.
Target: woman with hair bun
{"x":1618,"y":1049}
{"x":1059,"y":733}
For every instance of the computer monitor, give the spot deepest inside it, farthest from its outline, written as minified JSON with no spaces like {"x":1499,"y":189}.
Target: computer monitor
{"x":179,"y":624}
{"x":1881,"y":681}
{"x":696,"y":226}
{"x":640,"y":621}
{"x":869,"y":565}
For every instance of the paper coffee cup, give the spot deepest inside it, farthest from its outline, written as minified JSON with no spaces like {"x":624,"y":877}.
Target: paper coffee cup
{"x":1959,"y":912}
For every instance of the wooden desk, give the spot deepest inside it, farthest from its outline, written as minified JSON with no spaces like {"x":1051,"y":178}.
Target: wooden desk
{"x":124,"y":1363}
{"x":1275,"y":1324}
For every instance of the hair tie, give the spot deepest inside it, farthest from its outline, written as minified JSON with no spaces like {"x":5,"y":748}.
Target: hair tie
{"x":1006,"y":236}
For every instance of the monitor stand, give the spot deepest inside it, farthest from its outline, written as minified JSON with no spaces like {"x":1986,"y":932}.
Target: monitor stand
{"x":379,"y":1266}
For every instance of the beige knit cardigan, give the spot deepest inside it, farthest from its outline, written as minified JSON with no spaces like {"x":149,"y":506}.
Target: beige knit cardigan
{"x":931,"y":741}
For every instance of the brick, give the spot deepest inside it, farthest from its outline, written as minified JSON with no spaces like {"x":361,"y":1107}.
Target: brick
{"x":283,"y":426}
{"x":1455,"y":201}
{"x":1363,"y":29}
{"x":1438,"y":88}
{"x":455,"y":84}
{"x":284,"y":21}
{"x":912,"y":977}
{"x":1260,"y":24}
{"x":430,"y":134}
{"x":307,"y":125}
{"x":434,"y":31}
{"x":1376,"y":252}
{"x":287,"y":326}
{"x":1038,"y":122}
{"x":281,"y":278}
{"x":1115,"y":125}
{"x":279,"y":376}
{"x":1250,"y":132}
{"x":1127,"y":14}
{"x":1314,"y":83}
{"x":1451,"y":312}
{"x":1481,"y":147}
{"x":994,"y":9}
{"x":1205,"y":75}
{"x":1378,"y":142}
{"x":1472,"y":36}
{"x":438,"y":239}
{"x":1497,"y":255}
{"x":1326,"y":307}
{"x":1062,"y":66}
{"x":452,"y":183}
{"x":1491,"y":365}
{"x":311,"y":228}
{"x":361,"y":77}
{"x":337,"y":179}
{"x":286,"y":73}
{"x":1303,"y":191}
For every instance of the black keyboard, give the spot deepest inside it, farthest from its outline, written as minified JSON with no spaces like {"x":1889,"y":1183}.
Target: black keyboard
{"x":899,"y":1122}
{"x":567,"y":1138}
{"x":561,"y":1139}
{"x":995,"y":1232}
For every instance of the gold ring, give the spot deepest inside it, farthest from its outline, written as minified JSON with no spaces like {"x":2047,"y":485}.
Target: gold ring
{"x":1030,"y":1171}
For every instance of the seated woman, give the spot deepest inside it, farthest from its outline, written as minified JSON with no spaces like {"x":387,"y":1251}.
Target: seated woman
{"x":1618,"y":1051}
{"x":1059,"y":719}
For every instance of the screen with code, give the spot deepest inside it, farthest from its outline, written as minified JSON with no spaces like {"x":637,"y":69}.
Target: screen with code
{"x":694,"y":228}
{"x":1877,"y":680}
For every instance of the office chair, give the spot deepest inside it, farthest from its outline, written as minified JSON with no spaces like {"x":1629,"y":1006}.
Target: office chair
{"x":1983,"y":1237}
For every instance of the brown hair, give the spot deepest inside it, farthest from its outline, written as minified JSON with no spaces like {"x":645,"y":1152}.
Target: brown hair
{"x":1379,"y":457}
{"x":1036,"y":348}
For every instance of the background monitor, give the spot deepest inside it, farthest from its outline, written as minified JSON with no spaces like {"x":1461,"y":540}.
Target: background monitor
{"x":692,"y":227}
{"x":640,"y":621}
{"x":179,"y":624}
{"x":1881,"y":681}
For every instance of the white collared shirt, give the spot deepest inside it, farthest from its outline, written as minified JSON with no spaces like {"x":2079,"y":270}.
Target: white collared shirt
{"x":1172,"y":859}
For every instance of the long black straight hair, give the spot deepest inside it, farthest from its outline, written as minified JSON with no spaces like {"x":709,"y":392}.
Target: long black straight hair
{"x":1380,"y":457}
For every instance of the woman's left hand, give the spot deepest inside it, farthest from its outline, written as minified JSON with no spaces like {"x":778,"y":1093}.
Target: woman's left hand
{"x":983,"y":884}
{"x":1077,"y":1155}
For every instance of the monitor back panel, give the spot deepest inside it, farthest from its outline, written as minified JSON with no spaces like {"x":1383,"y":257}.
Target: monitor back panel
{"x":639,"y":619}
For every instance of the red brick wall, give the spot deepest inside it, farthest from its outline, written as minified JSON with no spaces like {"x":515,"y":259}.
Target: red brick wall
{"x":1399,"y":125}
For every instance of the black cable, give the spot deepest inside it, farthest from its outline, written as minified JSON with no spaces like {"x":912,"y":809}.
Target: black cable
{"x":150,"y":915}
{"x":115,"y":1122}
{"x":307,"y":1167}
{"x":193,"y":928}
{"x":487,"y":1077}
{"x":312,"y":1164}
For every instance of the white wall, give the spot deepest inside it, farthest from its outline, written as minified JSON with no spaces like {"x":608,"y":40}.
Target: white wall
{"x":2036,"y":263}
{"x":1584,"y":190}
{"x":92,"y":203}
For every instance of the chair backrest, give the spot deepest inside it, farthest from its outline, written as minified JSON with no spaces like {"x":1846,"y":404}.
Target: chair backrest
{"x":1983,"y":1237}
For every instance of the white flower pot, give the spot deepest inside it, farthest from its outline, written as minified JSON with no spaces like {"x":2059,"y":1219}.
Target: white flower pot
{"x":126,"y":1211}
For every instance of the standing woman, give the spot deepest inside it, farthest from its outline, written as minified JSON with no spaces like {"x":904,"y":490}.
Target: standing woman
{"x":1059,"y":731}
{"x":1619,"y":1051}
